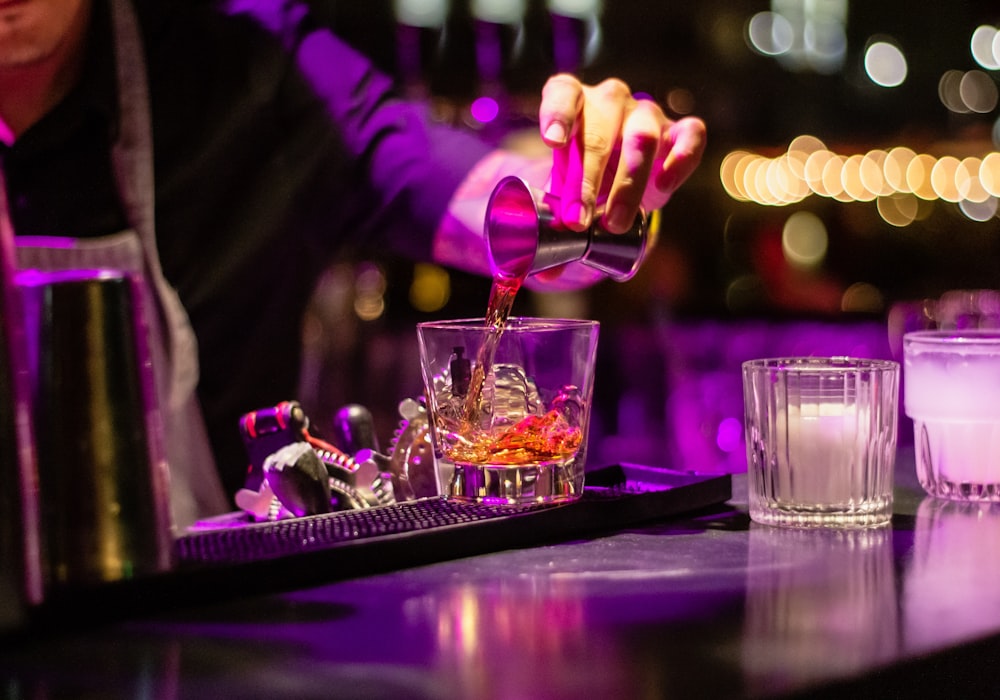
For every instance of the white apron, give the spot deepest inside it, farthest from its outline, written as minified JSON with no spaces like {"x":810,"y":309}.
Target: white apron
{"x":195,"y":487}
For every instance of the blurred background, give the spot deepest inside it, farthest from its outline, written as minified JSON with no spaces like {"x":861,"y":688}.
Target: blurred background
{"x":849,"y":193}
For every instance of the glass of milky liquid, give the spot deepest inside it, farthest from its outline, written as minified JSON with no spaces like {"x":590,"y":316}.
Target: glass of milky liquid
{"x":821,"y":440}
{"x":509,"y":406}
{"x":952,"y":392}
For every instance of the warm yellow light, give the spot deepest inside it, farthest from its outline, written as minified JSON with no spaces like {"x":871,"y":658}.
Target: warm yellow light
{"x":872,"y":176}
{"x":751,"y":182}
{"x":727,"y":174}
{"x":894,"y":168}
{"x":832,"y":181}
{"x":808,"y":167}
{"x":785,"y":186}
{"x":967,"y":180}
{"x":799,"y":151}
{"x":943,"y":179}
{"x":812,"y":173}
{"x":898,"y":209}
{"x":918,"y":176}
{"x":989,"y":174}
{"x":762,"y":188}
{"x":862,"y":297}
{"x":804,"y":240}
{"x":430,"y":289}
{"x":850,"y":175}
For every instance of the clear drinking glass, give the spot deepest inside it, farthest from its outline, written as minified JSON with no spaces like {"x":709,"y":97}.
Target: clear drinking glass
{"x":952,"y":393}
{"x":510,"y":409}
{"x":821,"y":440}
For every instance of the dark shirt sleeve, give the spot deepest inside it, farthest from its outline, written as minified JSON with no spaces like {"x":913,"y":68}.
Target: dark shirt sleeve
{"x":407,"y":166}
{"x":278,"y":150}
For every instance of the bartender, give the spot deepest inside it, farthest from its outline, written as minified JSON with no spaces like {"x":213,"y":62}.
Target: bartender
{"x":227,"y":152}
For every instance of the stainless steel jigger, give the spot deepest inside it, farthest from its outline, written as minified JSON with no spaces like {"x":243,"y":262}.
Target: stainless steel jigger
{"x":523,"y":236}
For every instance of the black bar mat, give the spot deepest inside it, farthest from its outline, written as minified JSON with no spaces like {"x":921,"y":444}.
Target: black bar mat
{"x":614,"y":497}
{"x":225,"y":558}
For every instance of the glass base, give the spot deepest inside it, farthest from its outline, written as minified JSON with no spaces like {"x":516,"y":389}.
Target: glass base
{"x":553,"y":482}
{"x":958,"y":460}
{"x":869,"y":514}
{"x":959,"y":490}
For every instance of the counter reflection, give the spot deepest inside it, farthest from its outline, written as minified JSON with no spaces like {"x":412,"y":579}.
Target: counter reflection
{"x":820,"y":604}
{"x":511,"y":639}
{"x":950,"y":590}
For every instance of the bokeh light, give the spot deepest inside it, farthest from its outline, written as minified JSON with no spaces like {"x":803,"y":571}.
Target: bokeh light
{"x":900,"y":180}
{"x":583,"y":9}
{"x":770,"y":34}
{"x":979,"y":211}
{"x":950,"y":92}
{"x":421,"y":13}
{"x":918,"y":175}
{"x":499,"y":11}
{"x":981,"y":45}
{"x":862,"y":297}
{"x":484,"y":109}
{"x":804,"y":240}
{"x":978,"y":92}
{"x":971,"y":91}
{"x":369,"y":291}
{"x":680,"y":101}
{"x":729,"y":435}
{"x":885,"y":64}
{"x":430,"y":288}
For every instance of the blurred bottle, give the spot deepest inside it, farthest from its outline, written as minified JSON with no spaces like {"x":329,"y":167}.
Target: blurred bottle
{"x":420,"y":36}
{"x":20,"y":555}
{"x":576,"y":33}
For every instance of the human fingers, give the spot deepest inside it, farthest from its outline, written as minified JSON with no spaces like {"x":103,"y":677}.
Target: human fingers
{"x":562,"y":102}
{"x":597,"y":137}
{"x":685,"y":141}
{"x":642,"y":135}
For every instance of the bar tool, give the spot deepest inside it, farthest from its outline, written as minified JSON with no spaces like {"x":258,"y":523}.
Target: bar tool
{"x":299,"y":479}
{"x":354,"y":429}
{"x":21,"y":579}
{"x":275,"y":436}
{"x":103,"y":475}
{"x":523,"y":236}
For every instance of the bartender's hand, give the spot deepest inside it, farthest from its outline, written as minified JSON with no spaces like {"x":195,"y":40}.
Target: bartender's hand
{"x":612,"y":149}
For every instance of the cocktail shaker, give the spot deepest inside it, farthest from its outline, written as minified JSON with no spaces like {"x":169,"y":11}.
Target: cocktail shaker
{"x":103,"y":481}
{"x":21,"y":585}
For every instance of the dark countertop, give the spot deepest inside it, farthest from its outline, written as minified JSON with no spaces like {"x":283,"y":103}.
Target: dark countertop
{"x":703,"y":605}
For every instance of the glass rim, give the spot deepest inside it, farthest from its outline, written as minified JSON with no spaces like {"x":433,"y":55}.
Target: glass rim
{"x":513,"y":324}
{"x":953,"y":337}
{"x":835,"y":363}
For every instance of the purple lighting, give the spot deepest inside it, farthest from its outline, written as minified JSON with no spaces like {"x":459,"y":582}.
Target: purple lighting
{"x":484,"y":109}
{"x":729,"y":436}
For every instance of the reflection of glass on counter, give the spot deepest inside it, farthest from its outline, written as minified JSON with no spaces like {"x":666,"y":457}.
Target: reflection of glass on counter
{"x":820,"y":604}
{"x":950,"y":590}
{"x":497,"y":639}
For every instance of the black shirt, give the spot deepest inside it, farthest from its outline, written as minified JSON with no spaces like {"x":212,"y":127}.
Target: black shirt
{"x":276,"y":148}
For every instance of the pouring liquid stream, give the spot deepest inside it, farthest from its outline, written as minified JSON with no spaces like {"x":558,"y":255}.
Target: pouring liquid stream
{"x":536,"y":439}
{"x":502,"y":294}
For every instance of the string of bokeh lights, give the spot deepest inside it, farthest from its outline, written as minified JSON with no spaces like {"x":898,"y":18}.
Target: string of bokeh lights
{"x":904,"y":184}
{"x":899,"y":180}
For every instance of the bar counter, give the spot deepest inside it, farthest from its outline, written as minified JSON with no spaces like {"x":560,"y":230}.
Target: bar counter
{"x":702,"y":605}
